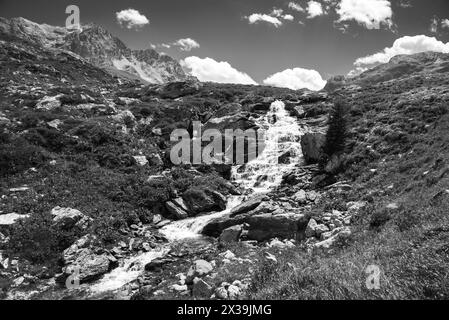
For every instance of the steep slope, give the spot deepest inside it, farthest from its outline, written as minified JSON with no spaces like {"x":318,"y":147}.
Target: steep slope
{"x":99,"y":47}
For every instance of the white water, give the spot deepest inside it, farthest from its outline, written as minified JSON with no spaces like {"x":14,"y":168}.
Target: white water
{"x":259,"y":176}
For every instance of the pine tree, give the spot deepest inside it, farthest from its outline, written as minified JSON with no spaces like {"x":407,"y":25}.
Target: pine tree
{"x":336,"y":134}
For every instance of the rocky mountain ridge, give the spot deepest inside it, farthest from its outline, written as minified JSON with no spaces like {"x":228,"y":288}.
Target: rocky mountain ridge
{"x":99,"y":47}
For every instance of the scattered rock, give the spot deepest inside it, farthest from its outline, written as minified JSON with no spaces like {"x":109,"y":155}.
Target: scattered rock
{"x":344,"y":233}
{"x":141,"y":160}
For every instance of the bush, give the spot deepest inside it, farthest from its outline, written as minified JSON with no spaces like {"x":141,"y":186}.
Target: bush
{"x":18,"y":155}
{"x":38,"y":240}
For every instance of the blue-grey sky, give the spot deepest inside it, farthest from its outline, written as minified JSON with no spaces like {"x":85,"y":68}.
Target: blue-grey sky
{"x":258,"y":39}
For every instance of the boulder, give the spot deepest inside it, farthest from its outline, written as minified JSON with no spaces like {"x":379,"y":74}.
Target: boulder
{"x":199,"y":200}
{"x":69,"y":218}
{"x":88,"y":265}
{"x":268,"y":226}
{"x":300,"y":197}
{"x":231,"y":234}
{"x":86,"y":261}
{"x":217,"y":226}
{"x":248,"y":205}
{"x":176,"y":211}
{"x":11,"y":218}
{"x":234,"y":292}
{"x":200,"y":268}
{"x":312,"y":145}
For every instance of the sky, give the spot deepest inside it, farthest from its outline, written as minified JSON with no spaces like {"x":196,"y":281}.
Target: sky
{"x":298,"y":43}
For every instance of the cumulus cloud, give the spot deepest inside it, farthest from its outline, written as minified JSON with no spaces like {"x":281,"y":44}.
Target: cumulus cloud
{"x":288,"y":17}
{"x":131,"y":19}
{"x":186,"y":44}
{"x":208,"y":69}
{"x":295,"y":6}
{"x":369,"y":13}
{"x":295,"y":79}
{"x":314,"y":9}
{"x":405,"y":45}
{"x":259,"y":17}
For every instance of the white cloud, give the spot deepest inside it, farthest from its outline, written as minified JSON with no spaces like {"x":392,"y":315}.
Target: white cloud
{"x":259,"y":17}
{"x":405,"y":45}
{"x":445,"y":23}
{"x":370,"y":13}
{"x":314,"y":9}
{"x":288,"y":17}
{"x":131,"y":19}
{"x":277,"y":12}
{"x":295,"y":6}
{"x":295,"y":79}
{"x":208,"y":69}
{"x":186,"y":44}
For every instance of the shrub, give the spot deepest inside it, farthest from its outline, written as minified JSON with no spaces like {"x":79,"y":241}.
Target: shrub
{"x":38,"y":240}
{"x":18,"y":155}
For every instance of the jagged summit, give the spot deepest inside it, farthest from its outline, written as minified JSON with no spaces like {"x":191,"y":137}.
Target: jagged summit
{"x":98,"y":46}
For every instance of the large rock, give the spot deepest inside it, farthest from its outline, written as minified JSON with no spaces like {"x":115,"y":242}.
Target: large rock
{"x":248,"y":205}
{"x":312,"y":145}
{"x":176,"y":210}
{"x":199,"y":200}
{"x":85,"y":260}
{"x":200,"y":268}
{"x":231,"y":234}
{"x":268,"y":226}
{"x":69,"y":218}
{"x":11,"y":218}
{"x":217,"y":226}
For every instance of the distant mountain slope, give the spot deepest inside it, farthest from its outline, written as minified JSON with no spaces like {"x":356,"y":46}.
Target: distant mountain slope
{"x":398,"y":67}
{"x":99,"y":47}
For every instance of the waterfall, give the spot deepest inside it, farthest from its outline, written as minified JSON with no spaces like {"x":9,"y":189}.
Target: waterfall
{"x":259,"y":176}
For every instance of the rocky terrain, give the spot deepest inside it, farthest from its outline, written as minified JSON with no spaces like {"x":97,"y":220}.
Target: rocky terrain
{"x":87,"y":186}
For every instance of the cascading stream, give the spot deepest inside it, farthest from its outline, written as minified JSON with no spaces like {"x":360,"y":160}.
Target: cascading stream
{"x":283,"y":136}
